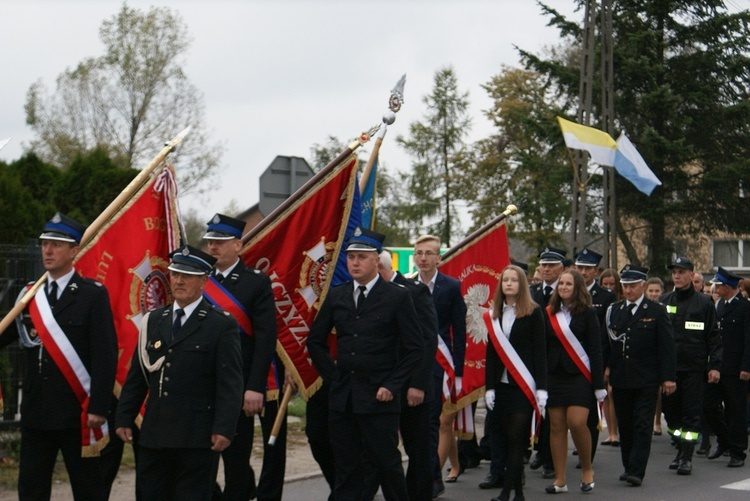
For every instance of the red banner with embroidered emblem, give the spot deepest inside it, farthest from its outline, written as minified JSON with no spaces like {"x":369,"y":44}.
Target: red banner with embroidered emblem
{"x":296,"y":250}
{"x":477,"y":262}
{"x":130,"y":256}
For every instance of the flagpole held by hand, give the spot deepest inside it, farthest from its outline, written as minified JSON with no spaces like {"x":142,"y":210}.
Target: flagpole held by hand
{"x":281,"y":414}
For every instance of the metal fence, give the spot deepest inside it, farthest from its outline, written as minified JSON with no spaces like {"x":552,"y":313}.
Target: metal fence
{"x":20,"y":264}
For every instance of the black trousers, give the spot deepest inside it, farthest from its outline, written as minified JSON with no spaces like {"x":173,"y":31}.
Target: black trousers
{"x":39,"y":450}
{"x":635,"y":410}
{"x":375,"y":435}
{"x":593,"y":425}
{"x":239,"y":478}
{"x":728,"y":420}
{"x":683,"y":408}
{"x":436,"y":408}
{"x":413,"y":423}
{"x":498,"y":443}
{"x":271,"y":481}
{"x":176,"y":474}
{"x":318,"y":435}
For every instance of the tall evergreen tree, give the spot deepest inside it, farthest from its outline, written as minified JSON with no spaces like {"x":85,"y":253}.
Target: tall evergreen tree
{"x":439,"y":151}
{"x":682,"y":94}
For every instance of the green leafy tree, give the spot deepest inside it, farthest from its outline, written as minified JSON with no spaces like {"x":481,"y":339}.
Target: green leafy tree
{"x":130,"y":100}
{"x":523,"y":164}
{"x":440,"y":154}
{"x":682,"y":89}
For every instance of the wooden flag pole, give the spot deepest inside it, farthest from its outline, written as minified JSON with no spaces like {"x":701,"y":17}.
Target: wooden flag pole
{"x":509,"y":211}
{"x":93,"y":228}
{"x":281,"y":414}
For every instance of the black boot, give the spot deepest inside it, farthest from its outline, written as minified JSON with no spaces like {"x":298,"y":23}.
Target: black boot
{"x":676,"y":461}
{"x":686,"y":460}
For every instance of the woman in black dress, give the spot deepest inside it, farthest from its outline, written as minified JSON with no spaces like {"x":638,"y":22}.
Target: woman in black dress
{"x":575,"y":375}
{"x":516,"y":378}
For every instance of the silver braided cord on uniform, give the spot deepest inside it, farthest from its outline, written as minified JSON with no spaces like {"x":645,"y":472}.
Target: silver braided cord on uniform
{"x":610,"y":332}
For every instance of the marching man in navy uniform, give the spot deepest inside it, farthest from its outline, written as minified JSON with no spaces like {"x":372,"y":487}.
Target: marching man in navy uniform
{"x":70,"y":343}
{"x":639,"y":359}
{"x":729,"y":421}
{"x":246,"y":293}
{"x":188,"y":361}
{"x":379,"y":346}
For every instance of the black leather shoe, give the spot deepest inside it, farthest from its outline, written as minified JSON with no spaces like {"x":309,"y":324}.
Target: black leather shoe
{"x":536,"y":462}
{"x":633,"y":480}
{"x":715,"y":454}
{"x":492,"y":482}
{"x":736,"y":462}
{"x":437,"y":488}
{"x":685,"y":467}
{"x":548,"y":473}
{"x":623,"y":477}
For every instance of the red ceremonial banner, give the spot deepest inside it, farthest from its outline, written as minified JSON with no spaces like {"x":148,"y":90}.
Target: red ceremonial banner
{"x":477,"y":263}
{"x":130,"y":255}
{"x":298,"y":252}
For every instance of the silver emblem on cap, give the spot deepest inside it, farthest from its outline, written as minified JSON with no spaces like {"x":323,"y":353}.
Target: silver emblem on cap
{"x":185,"y":251}
{"x":56,"y":218}
{"x":358,"y":232}
{"x":546,"y":249}
{"x":216,"y":219}
{"x":585,"y":251}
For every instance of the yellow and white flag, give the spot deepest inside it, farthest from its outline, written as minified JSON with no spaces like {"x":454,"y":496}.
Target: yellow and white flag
{"x":599,"y":144}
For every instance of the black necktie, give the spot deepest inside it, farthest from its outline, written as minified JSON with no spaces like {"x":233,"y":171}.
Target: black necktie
{"x":52,"y":294}
{"x":547,"y":292}
{"x":220,"y":277}
{"x":177,"y":325}
{"x":720,"y":308}
{"x":361,"y":297}
{"x":632,"y":307}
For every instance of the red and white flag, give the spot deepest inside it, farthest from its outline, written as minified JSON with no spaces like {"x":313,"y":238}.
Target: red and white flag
{"x":298,"y":251}
{"x":477,"y":262}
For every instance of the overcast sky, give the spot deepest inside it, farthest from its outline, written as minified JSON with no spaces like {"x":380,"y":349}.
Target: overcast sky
{"x":280,"y":76}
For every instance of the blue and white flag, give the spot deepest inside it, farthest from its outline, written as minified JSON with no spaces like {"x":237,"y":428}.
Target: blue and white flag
{"x":368,"y":198}
{"x":630,"y":165}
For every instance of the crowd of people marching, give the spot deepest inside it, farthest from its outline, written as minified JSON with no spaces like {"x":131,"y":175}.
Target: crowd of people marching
{"x":568,"y":349}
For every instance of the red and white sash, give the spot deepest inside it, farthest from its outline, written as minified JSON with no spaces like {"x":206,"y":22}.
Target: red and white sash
{"x":445,"y":359}
{"x":67,"y":360}
{"x":570,"y":342}
{"x":512,"y":361}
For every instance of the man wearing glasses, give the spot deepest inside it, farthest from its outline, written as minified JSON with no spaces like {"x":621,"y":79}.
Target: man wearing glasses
{"x":451,"y":312}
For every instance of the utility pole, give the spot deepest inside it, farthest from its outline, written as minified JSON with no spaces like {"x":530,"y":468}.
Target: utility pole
{"x":609,"y":214}
{"x":585,"y":91}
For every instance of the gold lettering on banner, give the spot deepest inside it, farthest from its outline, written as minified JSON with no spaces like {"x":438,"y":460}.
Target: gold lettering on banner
{"x":103,"y":267}
{"x":289,"y":314}
{"x":155,"y":223}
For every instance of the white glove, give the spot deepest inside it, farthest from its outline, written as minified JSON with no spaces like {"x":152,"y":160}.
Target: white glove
{"x":541,"y":399}
{"x":600,"y":395}
{"x":489,"y":399}
{"x":458,"y":385}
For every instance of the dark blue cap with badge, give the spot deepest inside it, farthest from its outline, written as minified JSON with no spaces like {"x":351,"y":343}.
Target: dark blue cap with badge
{"x":681,"y":262}
{"x":631,"y":274}
{"x":724,"y":277}
{"x":365,"y":240}
{"x":63,"y":228}
{"x":191,"y":261}
{"x":587,"y":257}
{"x":551,"y":255}
{"x":523,"y":266}
{"x":222,"y":227}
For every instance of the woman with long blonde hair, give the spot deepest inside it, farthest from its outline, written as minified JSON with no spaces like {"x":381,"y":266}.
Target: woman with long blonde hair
{"x":516,"y":373}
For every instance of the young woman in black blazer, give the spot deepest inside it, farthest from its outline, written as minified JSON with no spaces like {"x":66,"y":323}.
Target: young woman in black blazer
{"x":521,"y":321}
{"x":571,"y":394}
